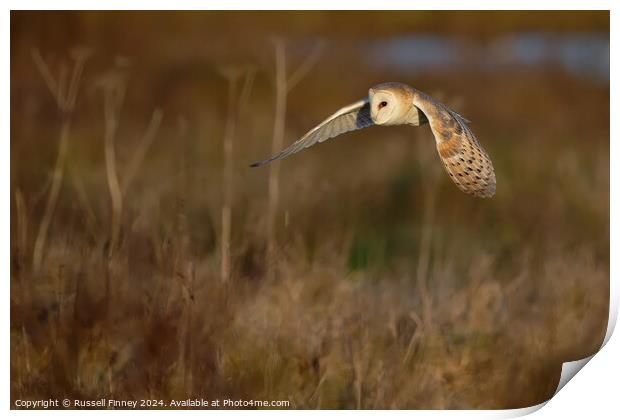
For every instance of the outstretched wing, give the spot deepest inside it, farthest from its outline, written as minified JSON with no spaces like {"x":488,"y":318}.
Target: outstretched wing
{"x":349,"y":118}
{"x":464,"y":158}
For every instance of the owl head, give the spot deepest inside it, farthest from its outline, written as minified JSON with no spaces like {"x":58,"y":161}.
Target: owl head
{"x":390,"y":103}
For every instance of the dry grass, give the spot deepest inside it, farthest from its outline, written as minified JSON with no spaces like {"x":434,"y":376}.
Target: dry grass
{"x":393,"y":289}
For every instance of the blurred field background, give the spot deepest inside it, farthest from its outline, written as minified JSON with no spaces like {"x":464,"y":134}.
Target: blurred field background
{"x":149,"y":261}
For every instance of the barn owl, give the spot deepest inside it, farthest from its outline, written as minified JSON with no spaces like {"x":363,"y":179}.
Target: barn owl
{"x":463,"y":157}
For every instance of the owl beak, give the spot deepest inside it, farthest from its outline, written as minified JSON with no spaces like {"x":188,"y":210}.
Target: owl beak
{"x":373,"y":115}
{"x":373,"y":111}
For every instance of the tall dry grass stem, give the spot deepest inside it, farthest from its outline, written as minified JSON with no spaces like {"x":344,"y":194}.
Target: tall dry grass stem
{"x":113,"y":96}
{"x":237,"y":103}
{"x":425,"y":157}
{"x":65,"y":97}
{"x":283,"y":86}
{"x":228,"y":175}
{"x":276,"y":145}
{"x":114,"y":88}
{"x":143,"y":146}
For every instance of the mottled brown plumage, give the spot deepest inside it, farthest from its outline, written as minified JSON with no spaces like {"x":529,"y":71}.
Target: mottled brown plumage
{"x":467,"y":163}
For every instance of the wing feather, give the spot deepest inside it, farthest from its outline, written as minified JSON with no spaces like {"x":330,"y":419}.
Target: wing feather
{"x":465,"y":160}
{"x":352,"y":117}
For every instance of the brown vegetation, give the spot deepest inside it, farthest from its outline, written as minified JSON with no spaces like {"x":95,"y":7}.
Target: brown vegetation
{"x":389,"y":288}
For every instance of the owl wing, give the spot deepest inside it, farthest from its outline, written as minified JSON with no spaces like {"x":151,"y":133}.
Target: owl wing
{"x":464,"y":158}
{"x":353,"y":117}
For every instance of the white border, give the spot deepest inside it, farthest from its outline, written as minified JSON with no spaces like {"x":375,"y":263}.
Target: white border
{"x":310,"y":5}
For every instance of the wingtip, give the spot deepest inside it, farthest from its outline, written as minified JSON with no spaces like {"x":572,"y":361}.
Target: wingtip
{"x":263,"y":162}
{"x":259,"y":164}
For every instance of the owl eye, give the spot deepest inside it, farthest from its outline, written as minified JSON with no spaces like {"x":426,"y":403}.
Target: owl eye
{"x":382,"y":104}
